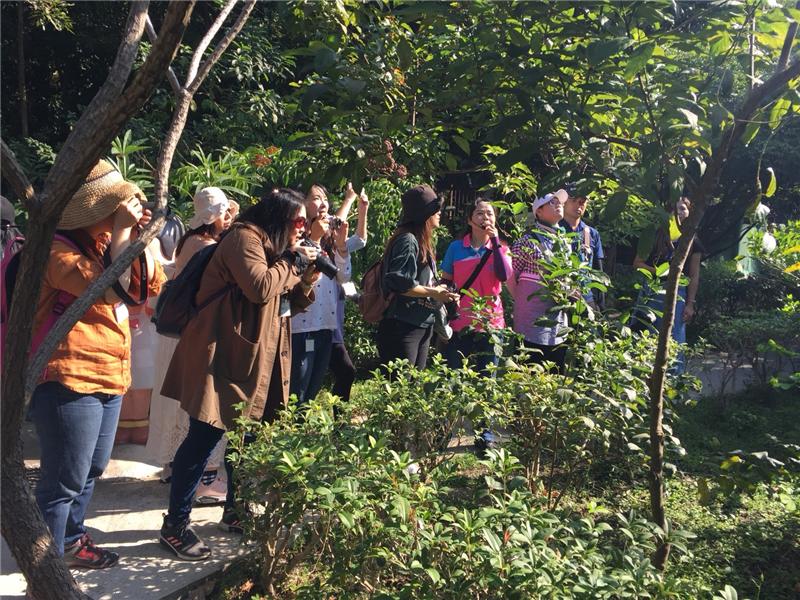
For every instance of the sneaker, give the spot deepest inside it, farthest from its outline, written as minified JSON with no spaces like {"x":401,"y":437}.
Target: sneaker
{"x":83,"y":554}
{"x":231,"y":522}
{"x":214,"y":493}
{"x":183,"y":542}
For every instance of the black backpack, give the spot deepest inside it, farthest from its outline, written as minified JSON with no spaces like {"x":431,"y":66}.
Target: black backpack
{"x":176,"y":304}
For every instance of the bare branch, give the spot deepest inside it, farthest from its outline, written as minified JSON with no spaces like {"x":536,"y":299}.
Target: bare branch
{"x":193,"y":84}
{"x":206,"y":41}
{"x":181,"y":112}
{"x":788,"y":41}
{"x":171,"y":77}
{"x":15,"y":175}
{"x":701,"y":194}
{"x":93,"y":134}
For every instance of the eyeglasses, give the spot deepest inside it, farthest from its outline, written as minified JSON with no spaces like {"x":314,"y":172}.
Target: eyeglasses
{"x":299,"y":222}
{"x":554,"y":202}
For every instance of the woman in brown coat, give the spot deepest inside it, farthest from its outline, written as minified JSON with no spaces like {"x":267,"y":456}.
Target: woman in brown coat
{"x":237,"y":349}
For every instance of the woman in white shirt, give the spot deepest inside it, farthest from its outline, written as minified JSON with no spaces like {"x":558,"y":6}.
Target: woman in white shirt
{"x":313,"y":330}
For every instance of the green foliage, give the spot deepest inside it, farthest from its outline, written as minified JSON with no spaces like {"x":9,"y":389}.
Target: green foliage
{"x":763,"y":339}
{"x":726,"y":292}
{"x":123,"y":152}
{"x":333,"y":494}
{"x":35,"y":158}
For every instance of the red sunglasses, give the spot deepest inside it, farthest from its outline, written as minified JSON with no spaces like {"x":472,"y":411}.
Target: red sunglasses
{"x":299,"y":222}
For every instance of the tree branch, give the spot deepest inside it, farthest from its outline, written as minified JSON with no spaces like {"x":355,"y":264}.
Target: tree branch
{"x":701,"y":194}
{"x":112,"y":273}
{"x":193,"y":84}
{"x":786,"y":50}
{"x":80,"y":152}
{"x":206,"y":41}
{"x":171,"y":77}
{"x":15,"y":175}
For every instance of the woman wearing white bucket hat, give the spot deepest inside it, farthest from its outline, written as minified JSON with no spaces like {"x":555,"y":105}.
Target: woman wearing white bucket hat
{"x":169,"y":423}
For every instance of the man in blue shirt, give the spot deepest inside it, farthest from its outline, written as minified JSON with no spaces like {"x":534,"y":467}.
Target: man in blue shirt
{"x":590,"y":249}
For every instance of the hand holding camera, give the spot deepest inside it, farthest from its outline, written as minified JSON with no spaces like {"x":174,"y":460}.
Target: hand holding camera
{"x":320,"y":262}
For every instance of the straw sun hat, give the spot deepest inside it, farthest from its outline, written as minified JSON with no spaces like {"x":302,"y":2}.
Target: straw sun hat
{"x":99,"y":196}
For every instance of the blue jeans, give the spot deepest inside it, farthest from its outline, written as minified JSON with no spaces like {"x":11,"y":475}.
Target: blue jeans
{"x":474,"y":346}
{"x":656,"y":302}
{"x":76,"y":435}
{"x":309,"y":366}
{"x":188,"y":466}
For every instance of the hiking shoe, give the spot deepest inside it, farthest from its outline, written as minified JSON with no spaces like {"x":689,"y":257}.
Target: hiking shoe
{"x":183,"y":542}
{"x":83,"y":554}
{"x":231,"y":522}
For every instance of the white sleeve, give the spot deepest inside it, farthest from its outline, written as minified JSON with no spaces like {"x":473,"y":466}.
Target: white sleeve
{"x":345,"y":267}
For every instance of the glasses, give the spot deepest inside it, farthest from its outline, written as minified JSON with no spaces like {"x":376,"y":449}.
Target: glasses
{"x":299,"y":222}
{"x":554,"y":202}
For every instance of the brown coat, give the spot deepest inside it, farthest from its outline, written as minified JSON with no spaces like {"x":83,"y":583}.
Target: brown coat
{"x":238,"y":348}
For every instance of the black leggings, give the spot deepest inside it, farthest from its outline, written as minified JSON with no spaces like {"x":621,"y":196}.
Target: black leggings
{"x":344,"y":373}
{"x":398,"y":339}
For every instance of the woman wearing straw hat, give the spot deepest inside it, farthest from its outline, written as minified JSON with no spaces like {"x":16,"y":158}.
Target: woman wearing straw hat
{"x":76,"y":405}
{"x":169,"y":423}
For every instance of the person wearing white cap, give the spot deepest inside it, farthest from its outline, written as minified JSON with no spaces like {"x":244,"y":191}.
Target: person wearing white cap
{"x":169,"y":423}
{"x":530,"y":303}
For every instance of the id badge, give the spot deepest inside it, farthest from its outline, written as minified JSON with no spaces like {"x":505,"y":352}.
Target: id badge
{"x":309,"y":345}
{"x":285,"y":309}
{"x":121,"y":312}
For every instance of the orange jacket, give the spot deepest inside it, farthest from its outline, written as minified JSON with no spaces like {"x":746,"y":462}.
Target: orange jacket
{"x":95,"y":356}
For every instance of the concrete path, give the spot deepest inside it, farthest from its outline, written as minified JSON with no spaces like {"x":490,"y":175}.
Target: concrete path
{"x":124,"y":516}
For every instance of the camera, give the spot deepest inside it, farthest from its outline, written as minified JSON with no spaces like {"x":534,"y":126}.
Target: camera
{"x":322,"y":263}
{"x":334,"y":222}
{"x":450,"y":307}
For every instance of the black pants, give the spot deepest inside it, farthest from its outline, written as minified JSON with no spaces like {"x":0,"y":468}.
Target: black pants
{"x":398,"y":339}
{"x":554,"y":354}
{"x":344,"y":373}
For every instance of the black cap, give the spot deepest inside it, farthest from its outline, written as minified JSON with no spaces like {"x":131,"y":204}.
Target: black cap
{"x":419,"y":203}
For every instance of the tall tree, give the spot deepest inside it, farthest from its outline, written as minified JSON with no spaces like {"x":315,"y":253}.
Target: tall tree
{"x":114,"y":104}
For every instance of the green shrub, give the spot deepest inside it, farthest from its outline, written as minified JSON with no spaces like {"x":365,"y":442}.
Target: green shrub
{"x":341,"y":514}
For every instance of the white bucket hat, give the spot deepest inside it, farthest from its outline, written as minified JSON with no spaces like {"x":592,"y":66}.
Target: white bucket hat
{"x":209,"y":205}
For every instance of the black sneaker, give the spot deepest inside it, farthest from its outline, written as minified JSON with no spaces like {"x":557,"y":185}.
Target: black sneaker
{"x":231,"y":522}
{"x":83,"y":554}
{"x":183,"y":542}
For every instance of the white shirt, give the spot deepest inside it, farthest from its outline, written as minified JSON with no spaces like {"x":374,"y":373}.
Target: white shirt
{"x":322,"y":313}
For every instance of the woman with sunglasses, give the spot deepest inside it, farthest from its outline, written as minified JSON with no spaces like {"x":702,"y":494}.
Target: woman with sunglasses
{"x":531,"y":301}
{"x":237,"y":349}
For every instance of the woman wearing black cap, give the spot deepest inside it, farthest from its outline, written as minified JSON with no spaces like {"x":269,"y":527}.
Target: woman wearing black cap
{"x":409,"y":274}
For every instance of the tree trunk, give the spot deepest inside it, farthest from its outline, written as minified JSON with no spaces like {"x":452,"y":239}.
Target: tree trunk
{"x":22,"y":87}
{"x":21,"y":523}
{"x":701,"y":194}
